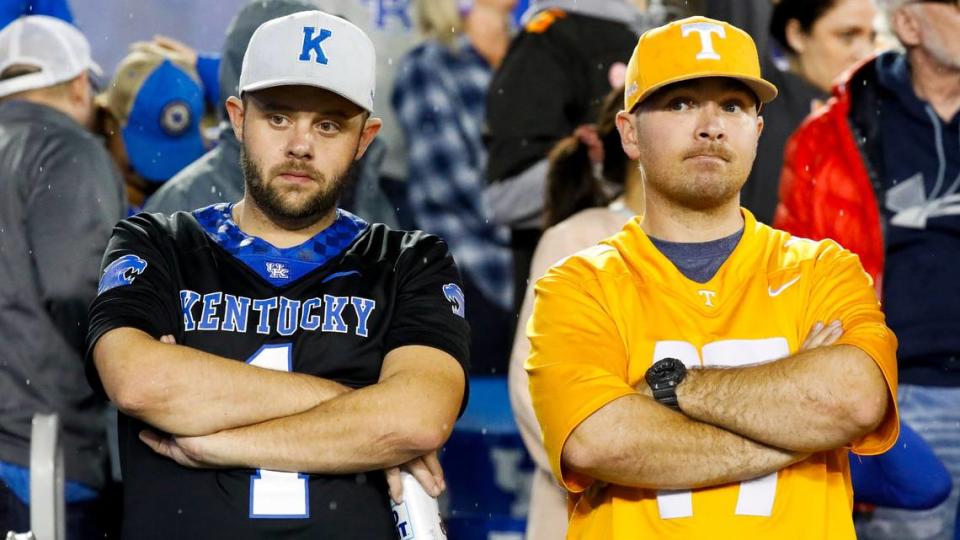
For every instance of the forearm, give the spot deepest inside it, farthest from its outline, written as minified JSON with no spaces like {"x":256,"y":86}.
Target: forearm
{"x":665,"y":449}
{"x":816,"y":400}
{"x":185,"y":391}
{"x":400,"y":418}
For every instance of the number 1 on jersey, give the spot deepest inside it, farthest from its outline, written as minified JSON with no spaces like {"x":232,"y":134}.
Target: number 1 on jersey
{"x":273,"y":494}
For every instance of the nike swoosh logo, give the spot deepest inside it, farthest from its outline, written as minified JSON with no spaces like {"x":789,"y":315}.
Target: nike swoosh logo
{"x":340,"y":275}
{"x":782,"y":287}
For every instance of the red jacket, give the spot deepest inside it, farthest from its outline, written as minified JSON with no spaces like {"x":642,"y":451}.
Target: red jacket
{"x":827,"y":188}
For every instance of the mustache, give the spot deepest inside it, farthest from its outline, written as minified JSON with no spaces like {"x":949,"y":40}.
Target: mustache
{"x":713,"y":150}
{"x":297,"y":168}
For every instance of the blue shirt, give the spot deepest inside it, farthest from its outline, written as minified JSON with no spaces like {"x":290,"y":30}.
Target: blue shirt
{"x":439,"y":96}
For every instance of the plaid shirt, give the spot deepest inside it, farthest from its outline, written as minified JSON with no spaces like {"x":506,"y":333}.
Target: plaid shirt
{"x":439,"y":96}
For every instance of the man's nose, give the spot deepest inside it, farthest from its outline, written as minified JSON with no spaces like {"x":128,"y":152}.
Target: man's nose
{"x":300,"y":142}
{"x":710,"y":124}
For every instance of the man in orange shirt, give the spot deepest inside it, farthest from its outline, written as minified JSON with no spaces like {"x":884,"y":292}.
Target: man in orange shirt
{"x":700,"y":374}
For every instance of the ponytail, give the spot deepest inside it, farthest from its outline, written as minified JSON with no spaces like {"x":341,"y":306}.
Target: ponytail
{"x":585,"y":165}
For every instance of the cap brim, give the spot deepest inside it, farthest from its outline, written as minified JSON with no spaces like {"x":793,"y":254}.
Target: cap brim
{"x":764,"y":90}
{"x":263,"y":85}
{"x":157,"y":159}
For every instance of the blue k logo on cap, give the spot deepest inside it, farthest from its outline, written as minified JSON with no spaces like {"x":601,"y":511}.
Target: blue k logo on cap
{"x":311,"y":43}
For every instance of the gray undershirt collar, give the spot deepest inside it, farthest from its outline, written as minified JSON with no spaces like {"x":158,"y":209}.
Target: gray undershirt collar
{"x":698,"y":261}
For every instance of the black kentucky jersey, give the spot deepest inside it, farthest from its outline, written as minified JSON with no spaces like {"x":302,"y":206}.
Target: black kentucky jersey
{"x":332,"y":307}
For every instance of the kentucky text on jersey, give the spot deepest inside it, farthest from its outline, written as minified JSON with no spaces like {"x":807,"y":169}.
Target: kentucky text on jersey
{"x":221,"y":312}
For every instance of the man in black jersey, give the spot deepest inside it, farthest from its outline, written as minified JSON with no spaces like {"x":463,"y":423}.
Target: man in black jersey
{"x":271,"y":357}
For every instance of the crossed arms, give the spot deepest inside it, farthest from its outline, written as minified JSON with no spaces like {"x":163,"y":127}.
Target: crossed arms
{"x":224,"y":413}
{"x":737,"y":423}
{"x":750,"y":421}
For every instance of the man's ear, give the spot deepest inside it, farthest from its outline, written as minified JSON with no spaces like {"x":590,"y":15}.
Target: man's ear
{"x":627,"y":126}
{"x":80,"y":90}
{"x":796,"y":37}
{"x":236,"y":112}
{"x":906,"y":26}
{"x":370,"y":129}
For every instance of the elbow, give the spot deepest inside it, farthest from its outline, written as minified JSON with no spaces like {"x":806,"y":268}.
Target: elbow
{"x":860,"y":411}
{"x":417,"y":437}
{"x":134,"y":397}
{"x":866,"y":415}
{"x":133,"y":391}
{"x":587,"y":456}
{"x":578,"y":455}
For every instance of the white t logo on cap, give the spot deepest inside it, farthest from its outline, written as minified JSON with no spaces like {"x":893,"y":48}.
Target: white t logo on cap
{"x":705,"y":30}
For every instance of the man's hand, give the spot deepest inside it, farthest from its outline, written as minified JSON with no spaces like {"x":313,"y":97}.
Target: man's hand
{"x":822,"y":335}
{"x":183,"y":450}
{"x":167,"y":46}
{"x":426,"y":469}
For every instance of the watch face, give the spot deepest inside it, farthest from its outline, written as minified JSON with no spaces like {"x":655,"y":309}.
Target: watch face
{"x":666,"y":371}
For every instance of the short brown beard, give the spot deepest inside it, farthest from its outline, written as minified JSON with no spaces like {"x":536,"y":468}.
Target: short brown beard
{"x":271,"y":204}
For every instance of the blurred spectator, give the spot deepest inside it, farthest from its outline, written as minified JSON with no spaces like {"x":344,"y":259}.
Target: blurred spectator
{"x":584,"y":169}
{"x":439,"y":98}
{"x":391,"y":24}
{"x":150,"y":115}
{"x":878,"y":170}
{"x":207,"y":65}
{"x":553,"y":79}
{"x":817,"y":40}
{"x":753,"y":16}
{"x":216,"y":176}
{"x":11,"y":9}
{"x":59,"y":199}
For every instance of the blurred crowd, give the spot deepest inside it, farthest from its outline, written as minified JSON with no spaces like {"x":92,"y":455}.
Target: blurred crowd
{"x":499,"y":137}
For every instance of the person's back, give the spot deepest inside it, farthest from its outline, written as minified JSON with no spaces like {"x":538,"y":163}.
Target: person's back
{"x":59,"y":199}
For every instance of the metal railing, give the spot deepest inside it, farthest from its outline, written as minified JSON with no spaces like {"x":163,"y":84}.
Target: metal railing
{"x":47,"y":506}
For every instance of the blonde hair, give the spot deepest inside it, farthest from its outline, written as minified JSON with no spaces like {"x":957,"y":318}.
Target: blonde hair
{"x":439,"y":20}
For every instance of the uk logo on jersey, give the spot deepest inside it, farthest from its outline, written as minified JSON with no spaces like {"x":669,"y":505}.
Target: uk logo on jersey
{"x":278,"y":270}
{"x":121,"y":272}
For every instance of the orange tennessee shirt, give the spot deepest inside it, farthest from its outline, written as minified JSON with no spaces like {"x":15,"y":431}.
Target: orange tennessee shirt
{"x":603,"y":316}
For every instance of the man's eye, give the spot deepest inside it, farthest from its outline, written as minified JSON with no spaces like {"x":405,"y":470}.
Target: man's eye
{"x":680,"y":104}
{"x":277,"y":119}
{"x":328,"y":127}
{"x":732,"y":107}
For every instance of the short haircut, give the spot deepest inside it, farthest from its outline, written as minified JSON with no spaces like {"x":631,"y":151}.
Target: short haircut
{"x":19,"y":70}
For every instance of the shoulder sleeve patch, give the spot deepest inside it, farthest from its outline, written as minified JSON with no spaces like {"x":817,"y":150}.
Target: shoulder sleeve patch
{"x":544,"y":20}
{"x":121,"y":272}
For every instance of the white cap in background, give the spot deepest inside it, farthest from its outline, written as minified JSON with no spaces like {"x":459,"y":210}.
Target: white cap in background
{"x":311,"y":48}
{"x":56,"y":47}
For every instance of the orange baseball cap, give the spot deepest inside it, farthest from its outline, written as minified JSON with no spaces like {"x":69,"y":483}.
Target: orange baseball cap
{"x":693,"y":48}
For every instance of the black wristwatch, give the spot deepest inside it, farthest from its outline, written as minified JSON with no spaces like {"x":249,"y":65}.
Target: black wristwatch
{"x":663,"y":377}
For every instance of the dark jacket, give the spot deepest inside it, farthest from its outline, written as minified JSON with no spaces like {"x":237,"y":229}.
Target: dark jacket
{"x":60,"y":196}
{"x":878,"y":171}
